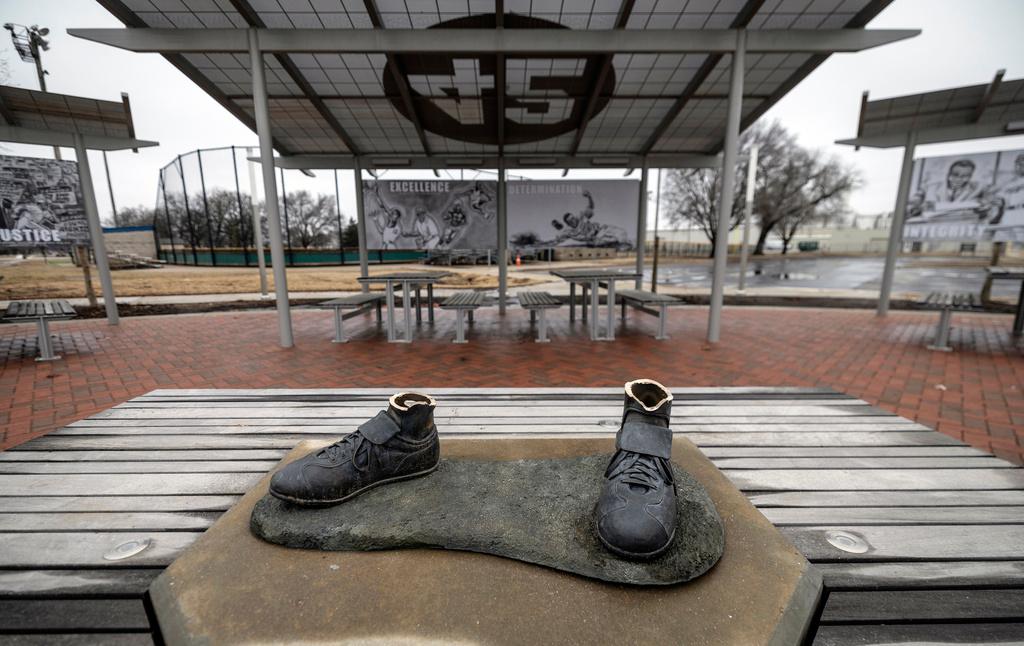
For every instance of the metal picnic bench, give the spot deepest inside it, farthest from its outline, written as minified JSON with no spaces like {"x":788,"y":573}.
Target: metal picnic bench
{"x":945,"y":303}
{"x":539,"y":302}
{"x":919,"y":537}
{"x":464,"y":302}
{"x":358,"y":303}
{"x":645,"y":301}
{"x":42,"y":312}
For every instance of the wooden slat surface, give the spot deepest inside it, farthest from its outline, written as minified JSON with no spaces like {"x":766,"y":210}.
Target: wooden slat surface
{"x":944,"y":522}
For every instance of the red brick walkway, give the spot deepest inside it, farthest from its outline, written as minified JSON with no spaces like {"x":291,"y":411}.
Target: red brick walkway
{"x":974,"y":393}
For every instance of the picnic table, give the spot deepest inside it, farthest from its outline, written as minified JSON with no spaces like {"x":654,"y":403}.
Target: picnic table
{"x":918,"y":536}
{"x":1001,"y":273}
{"x":409,"y":281}
{"x":42,"y":312}
{"x":593,"y":278}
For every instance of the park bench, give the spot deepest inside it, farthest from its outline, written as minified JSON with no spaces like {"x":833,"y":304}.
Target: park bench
{"x":539,"y":302}
{"x":463,"y":302}
{"x":645,"y":301}
{"x":42,"y":312}
{"x":358,"y":303}
{"x":945,"y":303}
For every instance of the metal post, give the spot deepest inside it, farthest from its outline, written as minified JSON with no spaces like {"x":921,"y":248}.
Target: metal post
{"x":941,"y":342}
{"x":99,"y":247}
{"x":341,"y":228}
{"x":259,"y":91}
{"x":206,"y":209}
{"x":641,"y":227}
{"x":287,"y":225}
{"x":364,"y":261}
{"x":896,"y":233}
{"x":188,"y":214}
{"x":732,"y":135}
{"x":167,"y":216}
{"x":45,"y":342}
{"x":257,"y":226}
{"x":241,"y":212}
{"x":110,"y":186}
{"x":748,"y":212}
{"x":502,"y":238}
{"x":339,"y":326}
{"x":657,"y":215}
{"x":37,"y":56}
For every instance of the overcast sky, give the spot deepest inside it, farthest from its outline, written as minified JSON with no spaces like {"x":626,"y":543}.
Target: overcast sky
{"x":962,"y":43}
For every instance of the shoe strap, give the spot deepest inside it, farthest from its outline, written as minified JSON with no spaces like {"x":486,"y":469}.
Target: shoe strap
{"x":632,"y":406}
{"x":648,"y":439}
{"x":380,"y":428}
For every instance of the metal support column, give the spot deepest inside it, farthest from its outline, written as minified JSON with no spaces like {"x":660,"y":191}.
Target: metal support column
{"x":110,"y":186}
{"x":896,"y":232}
{"x":641,"y":227}
{"x":364,"y":261}
{"x":732,"y":136}
{"x":502,"y":239}
{"x":257,"y":226}
{"x":748,"y":212}
{"x":99,"y":248}
{"x":259,"y":91}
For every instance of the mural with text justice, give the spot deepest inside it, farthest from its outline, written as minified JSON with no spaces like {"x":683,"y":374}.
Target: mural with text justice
{"x":450,"y":214}
{"x":970,"y":197}
{"x":40,"y":203}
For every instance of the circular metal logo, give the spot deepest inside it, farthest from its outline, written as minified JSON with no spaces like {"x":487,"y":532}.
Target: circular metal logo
{"x":847,"y":541}
{"x":128,"y":550}
{"x":453,"y":116}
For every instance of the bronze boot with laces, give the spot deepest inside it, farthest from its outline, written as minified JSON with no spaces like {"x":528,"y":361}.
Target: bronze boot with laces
{"x":636,"y":513}
{"x":398,"y":443}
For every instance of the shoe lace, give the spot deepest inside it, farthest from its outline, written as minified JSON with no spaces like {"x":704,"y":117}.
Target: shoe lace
{"x":641,"y":470}
{"x":354,"y":445}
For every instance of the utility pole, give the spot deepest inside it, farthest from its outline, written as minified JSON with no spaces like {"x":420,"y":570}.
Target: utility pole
{"x":30,"y":42}
{"x":657,"y":241}
{"x":748,"y":212}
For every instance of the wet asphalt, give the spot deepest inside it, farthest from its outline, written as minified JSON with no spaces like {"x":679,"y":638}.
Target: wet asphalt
{"x":912,"y":274}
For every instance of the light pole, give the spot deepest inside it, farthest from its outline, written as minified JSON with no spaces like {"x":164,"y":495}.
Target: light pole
{"x":30,"y":42}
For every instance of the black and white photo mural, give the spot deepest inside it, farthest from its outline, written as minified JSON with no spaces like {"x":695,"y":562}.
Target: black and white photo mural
{"x":40,"y":203}
{"x":977,"y":196}
{"x":560,"y":213}
{"x":430,"y":214}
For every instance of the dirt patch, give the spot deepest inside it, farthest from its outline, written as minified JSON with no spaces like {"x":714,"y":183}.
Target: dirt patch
{"x":59,"y":278}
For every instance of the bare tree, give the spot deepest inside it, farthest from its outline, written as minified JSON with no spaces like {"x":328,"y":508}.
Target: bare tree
{"x":136,"y":216}
{"x":691,"y":195}
{"x":312,"y":221}
{"x":794,"y":186}
{"x":810,"y":188}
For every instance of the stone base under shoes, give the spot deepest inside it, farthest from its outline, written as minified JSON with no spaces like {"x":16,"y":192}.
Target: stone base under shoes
{"x":231,"y":587}
{"x":538,"y":511}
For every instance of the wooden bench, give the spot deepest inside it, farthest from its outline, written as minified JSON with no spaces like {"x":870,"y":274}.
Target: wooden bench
{"x":946,"y":302}
{"x":358,"y":303}
{"x":539,"y":302}
{"x":643,"y":301}
{"x":462,"y":302}
{"x":42,"y":312}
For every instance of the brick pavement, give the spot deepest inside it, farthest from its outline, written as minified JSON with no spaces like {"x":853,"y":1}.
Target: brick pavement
{"x":975,"y":393}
